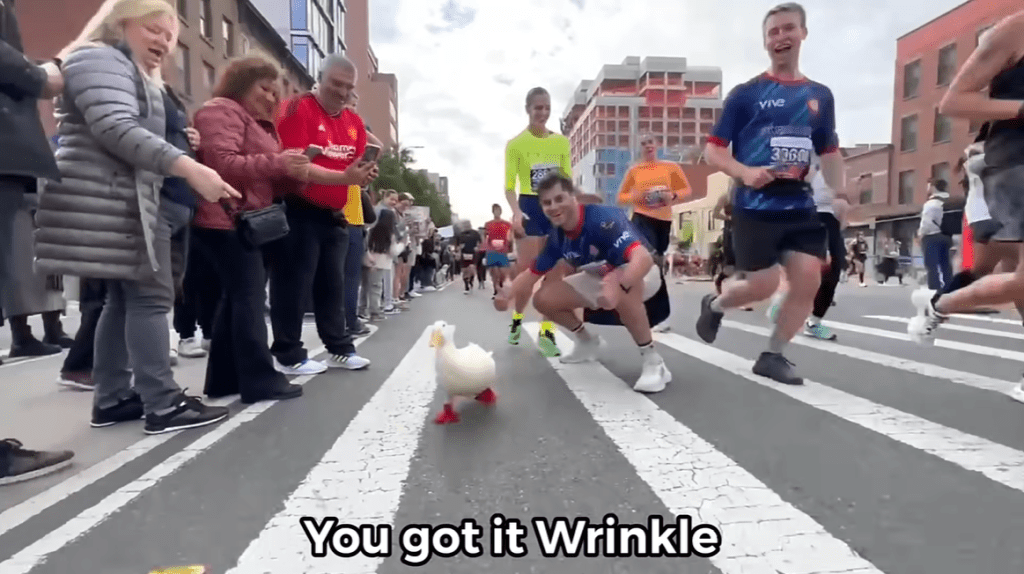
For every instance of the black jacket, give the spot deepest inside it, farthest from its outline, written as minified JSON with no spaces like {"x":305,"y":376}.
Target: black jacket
{"x":26,"y":151}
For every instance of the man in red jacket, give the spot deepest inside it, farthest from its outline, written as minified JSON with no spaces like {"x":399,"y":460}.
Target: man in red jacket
{"x":311,"y":259}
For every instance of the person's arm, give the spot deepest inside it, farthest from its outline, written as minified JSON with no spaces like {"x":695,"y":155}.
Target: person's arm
{"x":966,"y":97}
{"x":18,"y":76}
{"x":681,"y":189}
{"x":221,"y":133}
{"x":511,"y":174}
{"x":626,"y":193}
{"x":373,"y":139}
{"x":99,"y":80}
{"x":621,"y":242}
{"x":717,"y":152}
{"x":826,"y":143}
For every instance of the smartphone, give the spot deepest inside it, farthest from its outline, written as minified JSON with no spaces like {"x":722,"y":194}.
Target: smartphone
{"x":371,"y":153}
{"x":313,"y":151}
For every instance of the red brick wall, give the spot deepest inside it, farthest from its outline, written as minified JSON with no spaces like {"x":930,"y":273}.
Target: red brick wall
{"x":875,"y":163}
{"x":960,"y":26}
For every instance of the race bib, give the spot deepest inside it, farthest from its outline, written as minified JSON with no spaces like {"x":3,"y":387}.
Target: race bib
{"x":791,"y":156}
{"x":652,"y":197}
{"x":497,"y":244}
{"x":538,"y":172}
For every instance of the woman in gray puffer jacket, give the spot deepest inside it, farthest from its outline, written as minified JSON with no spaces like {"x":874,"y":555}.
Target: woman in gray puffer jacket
{"x":111,"y":216}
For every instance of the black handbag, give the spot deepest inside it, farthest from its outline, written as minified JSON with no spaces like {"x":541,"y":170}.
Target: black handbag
{"x":259,"y":227}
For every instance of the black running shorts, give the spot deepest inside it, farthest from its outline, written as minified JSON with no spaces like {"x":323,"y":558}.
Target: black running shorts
{"x":758,"y":242}
{"x":657,"y":232}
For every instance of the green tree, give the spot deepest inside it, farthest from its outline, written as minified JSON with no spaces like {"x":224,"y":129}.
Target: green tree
{"x":396,"y":174}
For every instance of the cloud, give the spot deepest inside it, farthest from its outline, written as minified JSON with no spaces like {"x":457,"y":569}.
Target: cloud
{"x":464,"y":68}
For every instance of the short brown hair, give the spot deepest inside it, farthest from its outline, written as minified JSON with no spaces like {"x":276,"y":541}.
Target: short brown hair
{"x":241,"y":74}
{"x":787,"y":7}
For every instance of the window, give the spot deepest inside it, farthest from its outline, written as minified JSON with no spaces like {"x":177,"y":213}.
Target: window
{"x":977,"y":38}
{"x":865,"y":189}
{"x":942,"y":171}
{"x":908,"y":133}
{"x":947,"y":65}
{"x":183,"y":9}
{"x":245,"y":44}
{"x":209,"y":77}
{"x":906,"y":187}
{"x":300,"y":47}
{"x":943,"y":131}
{"x":911,"y":79}
{"x":183,"y":60}
{"x":300,"y":14}
{"x":228,"y":31}
{"x":206,"y":18}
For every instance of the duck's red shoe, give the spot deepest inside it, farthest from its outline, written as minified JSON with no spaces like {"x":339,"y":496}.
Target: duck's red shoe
{"x":448,"y":415}
{"x":487,"y":397}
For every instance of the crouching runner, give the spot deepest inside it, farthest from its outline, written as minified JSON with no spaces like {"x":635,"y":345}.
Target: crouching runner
{"x":602,"y":265}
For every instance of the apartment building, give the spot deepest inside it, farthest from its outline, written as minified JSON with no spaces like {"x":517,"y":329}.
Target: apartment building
{"x":662,"y":96}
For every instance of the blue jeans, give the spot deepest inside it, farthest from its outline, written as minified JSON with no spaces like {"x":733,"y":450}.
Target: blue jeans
{"x":353,"y":276}
{"x":936,"y":260}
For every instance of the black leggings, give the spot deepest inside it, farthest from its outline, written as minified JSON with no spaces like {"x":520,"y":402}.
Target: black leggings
{"x":830,"y":278}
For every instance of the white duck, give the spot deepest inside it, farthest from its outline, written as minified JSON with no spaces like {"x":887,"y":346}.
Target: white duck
{"x":466,"y":372}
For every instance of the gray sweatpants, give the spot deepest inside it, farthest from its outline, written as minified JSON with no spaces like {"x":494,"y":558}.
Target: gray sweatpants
{"x":133,"y":336}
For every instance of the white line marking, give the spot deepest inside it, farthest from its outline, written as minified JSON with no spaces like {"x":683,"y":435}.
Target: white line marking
{"x":987,"y":319}
{"x":997,"y":462}
{"x":955,"y":345}
{"x":933,"y":371}
{"x":15,"y":516}
{"x":952,"y":327}
{"x":360,"y":479}
{"x":761,"y":532}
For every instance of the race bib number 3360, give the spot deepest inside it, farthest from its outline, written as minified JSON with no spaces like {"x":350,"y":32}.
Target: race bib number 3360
{"x":791,"y":155}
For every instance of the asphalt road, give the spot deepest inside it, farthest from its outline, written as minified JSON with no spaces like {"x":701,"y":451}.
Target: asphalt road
{"x":893,"y":458}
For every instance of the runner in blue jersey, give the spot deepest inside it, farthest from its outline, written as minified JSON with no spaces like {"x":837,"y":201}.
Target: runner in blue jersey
{"x":775,"y":123}
{"x":607,"y":267}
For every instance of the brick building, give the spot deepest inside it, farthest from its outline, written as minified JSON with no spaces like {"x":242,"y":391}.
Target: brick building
{"x":662,"y":96}
{"x":212,"y":31}
{"x":926,"y":144}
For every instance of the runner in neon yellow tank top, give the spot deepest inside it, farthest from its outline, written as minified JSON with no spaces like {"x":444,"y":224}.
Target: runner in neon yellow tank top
{"x":529,"y":157}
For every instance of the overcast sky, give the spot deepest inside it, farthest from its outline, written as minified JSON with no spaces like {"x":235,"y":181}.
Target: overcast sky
{"x":464,"y":67}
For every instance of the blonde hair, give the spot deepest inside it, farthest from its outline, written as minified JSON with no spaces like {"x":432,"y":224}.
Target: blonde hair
{"x":107,"y":25}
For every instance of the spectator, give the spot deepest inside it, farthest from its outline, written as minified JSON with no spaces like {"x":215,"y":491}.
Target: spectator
{"x":389,"y":199}
{"x":312,"y":258}
{"x":356,"y":215}
{"x":935,"y":243}
{"x":382,"y":249}
{"x":240,"y":142}
{"x":27,"y":156}
{"x":114,"y":159}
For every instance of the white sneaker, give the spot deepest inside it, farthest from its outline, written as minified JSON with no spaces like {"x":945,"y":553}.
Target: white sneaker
{"x":662,"y":327}
{"x":351,"y":362}
{"x":191,"y":348}
{"x":206,"y":344}
{"x":584,"y":351}
{"x":925,"y":323}
{"x":1017,"y":393}
{"x":655,"y":375}
{"x":174,"y":357}
{"x":307,"y":367}
{"x":429,"y":289}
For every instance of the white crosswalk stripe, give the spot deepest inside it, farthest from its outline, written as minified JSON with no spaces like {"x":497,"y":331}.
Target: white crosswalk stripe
{"x":374,"y":470}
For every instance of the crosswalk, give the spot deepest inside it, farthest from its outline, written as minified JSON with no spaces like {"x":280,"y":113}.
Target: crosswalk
{"x":890,"y":458}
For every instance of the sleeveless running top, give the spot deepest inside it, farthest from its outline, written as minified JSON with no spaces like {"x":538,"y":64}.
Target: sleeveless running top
{"x":1004,"y":146}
